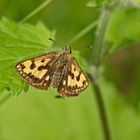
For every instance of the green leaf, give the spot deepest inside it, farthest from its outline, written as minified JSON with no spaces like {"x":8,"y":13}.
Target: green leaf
{"x":124,"y":28}
{"x":97,"y":3}
{"x":19,"y":42}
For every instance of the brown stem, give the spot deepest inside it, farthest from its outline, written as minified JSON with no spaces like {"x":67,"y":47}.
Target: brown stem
{"x":101,"y":107}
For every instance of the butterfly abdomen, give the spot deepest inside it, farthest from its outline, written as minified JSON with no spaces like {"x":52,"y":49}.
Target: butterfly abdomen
{"x":56,"y":78}
{"x":58,"y":72}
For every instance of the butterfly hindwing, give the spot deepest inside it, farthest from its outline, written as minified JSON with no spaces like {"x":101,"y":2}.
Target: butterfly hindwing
{"x":36,"y":71}
{"x":74,"y":80}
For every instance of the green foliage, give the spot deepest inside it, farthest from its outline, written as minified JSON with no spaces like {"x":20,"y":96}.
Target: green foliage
{"x":123,"y":118}
{"x":19,"y":42}
{"x":97,"y":3}
{"x":130,"y":3}
{"x":38,"y":114}
{"x":121,"y":29}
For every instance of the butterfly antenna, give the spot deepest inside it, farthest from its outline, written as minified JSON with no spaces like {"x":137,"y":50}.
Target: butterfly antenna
{"x":53,"y":41}
{"x":57,"y":43}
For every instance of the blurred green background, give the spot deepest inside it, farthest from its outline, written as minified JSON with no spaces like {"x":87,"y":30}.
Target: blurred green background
{"x":38,"y":114}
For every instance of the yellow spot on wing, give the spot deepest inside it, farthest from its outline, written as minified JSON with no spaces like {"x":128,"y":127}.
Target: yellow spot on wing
{"x":64,"y":82}
{"x":41,"y":73}
{"x":47,"y":78}
{"x":69,"y":81}
{"x":75,"y":72}
{"x":27,"y":65}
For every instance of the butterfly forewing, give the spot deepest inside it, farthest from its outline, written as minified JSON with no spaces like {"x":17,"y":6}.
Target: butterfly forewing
{"x":74,"y":81}
{"x":37,"y":70}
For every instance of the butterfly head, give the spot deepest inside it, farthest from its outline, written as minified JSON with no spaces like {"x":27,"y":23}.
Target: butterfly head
{"x":67,"y":50}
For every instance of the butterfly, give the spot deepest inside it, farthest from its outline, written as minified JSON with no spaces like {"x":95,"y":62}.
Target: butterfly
{"x":59,"y":70}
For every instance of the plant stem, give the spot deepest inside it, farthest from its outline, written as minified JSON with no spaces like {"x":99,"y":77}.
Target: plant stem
{"x":34,"y":12}
{"x":102,"y":108}
{"x":83,"y":32}
{"x":97,"y":58}
{"x":100,"y":44}
{"x":103,"y":113}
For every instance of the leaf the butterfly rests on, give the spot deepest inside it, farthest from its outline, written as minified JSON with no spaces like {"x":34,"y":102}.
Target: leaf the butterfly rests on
{"x":56,"y":69}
